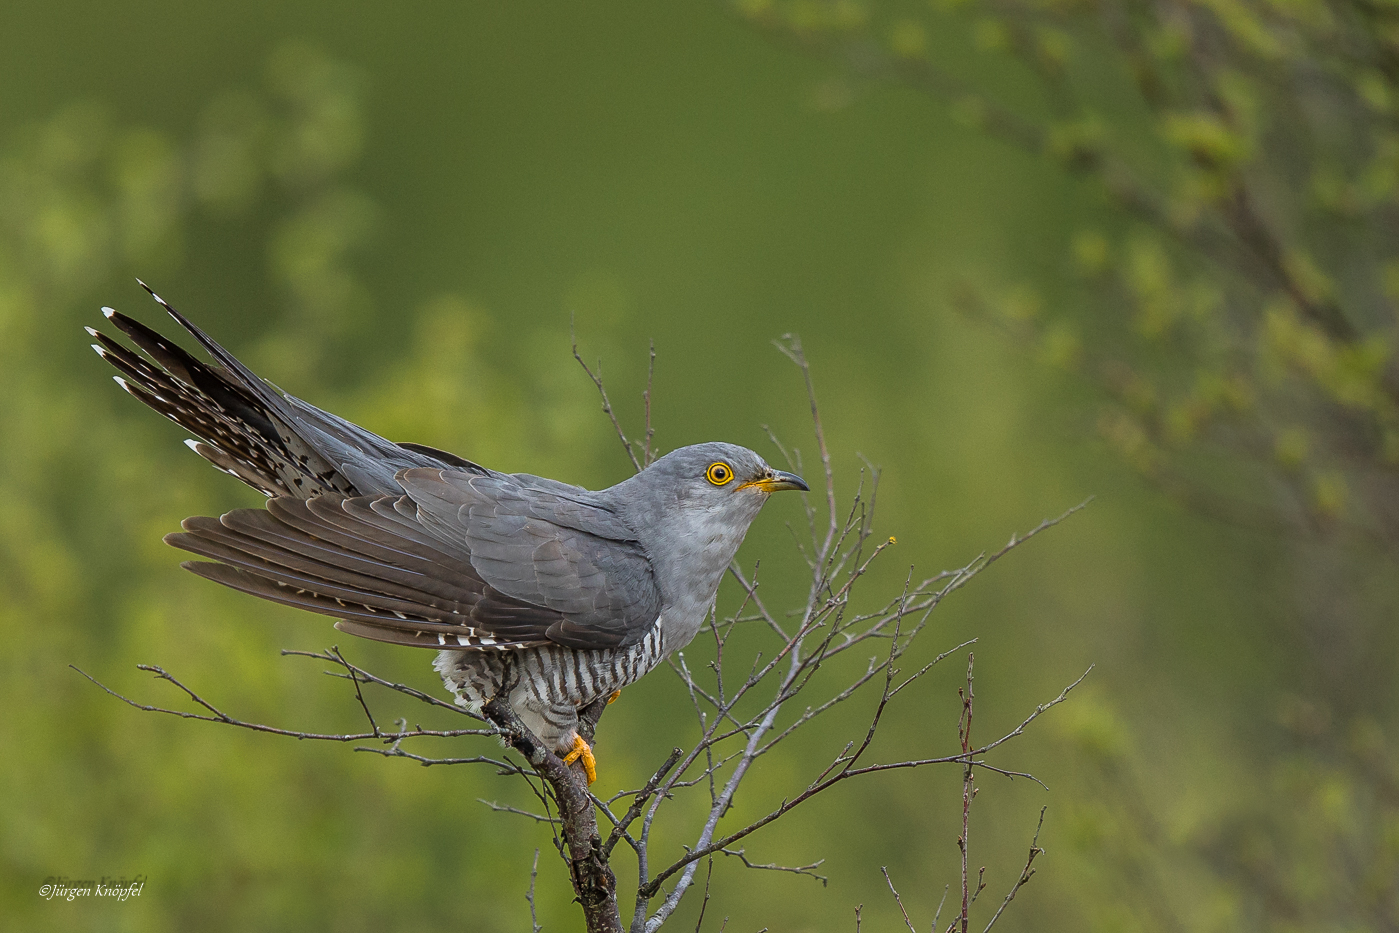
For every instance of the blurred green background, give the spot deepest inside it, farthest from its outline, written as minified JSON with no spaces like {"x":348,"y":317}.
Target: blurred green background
{"x":396,"y":211}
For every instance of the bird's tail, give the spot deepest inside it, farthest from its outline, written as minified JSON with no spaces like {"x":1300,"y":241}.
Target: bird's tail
{"x":274,"y":442}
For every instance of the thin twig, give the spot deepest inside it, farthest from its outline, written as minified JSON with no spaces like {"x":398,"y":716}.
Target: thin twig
{"x":529,"y":895}
{"x":649,"y":454}
{"x":846,"y":772}
{"x":1026,"y":873}
{"x":333,"y":655}
{"x":964,"y":733}
{"x":639,"y":801}
{"x":606,"y":402}
{"x":503,"y":808}
{"x":898,"y":900}
{"x":704,"y":904}
{"x":359,"y":694}
{"x":937,"y":914}
{"x":505,"y":767}
{"x":808,"y":870}
{"x":221,"y":717}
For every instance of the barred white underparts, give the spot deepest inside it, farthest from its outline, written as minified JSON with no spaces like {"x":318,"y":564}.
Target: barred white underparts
{"x":546,"y":686}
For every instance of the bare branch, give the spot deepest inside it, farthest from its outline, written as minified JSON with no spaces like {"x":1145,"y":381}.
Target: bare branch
{"x":808,"y":870}
{"x":593,"y":881}
{"x":1016,"y":540}
{"x":791,"y":347}
{"x":639,"y":801}
{"x":704,"y":904}
{"x":359,"y":694}
{"x":964,"y":733}
{"x":502,"y":808}
{"x":1039,"y":711}
{"x":1026,"y":873}
{"x":825,"y":608}
{"x":607,"y":403}
{"x":750,"y":591}
{"x":395,"y":752}
{"x":898,"y":900}
{"x":648,"y":453}
{"x":333,"y":655}
{"x":221,"y":717}
{"x":529,"y":895}
{"x":843,"y":768}
{"x":937,"y":914}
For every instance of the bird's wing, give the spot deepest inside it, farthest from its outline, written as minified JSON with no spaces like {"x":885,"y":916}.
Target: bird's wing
{"x":547,"y":544}
{"x":447,"y":565}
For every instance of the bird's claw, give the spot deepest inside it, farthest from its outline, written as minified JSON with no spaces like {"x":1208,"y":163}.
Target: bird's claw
{"x":582,"y":750}
{"x":613,"y":698}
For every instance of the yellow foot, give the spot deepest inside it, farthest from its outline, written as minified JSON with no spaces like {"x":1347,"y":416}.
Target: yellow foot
{"x":584,"y":751}
{"x":613,"y":698}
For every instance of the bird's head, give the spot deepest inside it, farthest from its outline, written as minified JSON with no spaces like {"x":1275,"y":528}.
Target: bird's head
{"x":715,"y":478}
{"x":690,"y":510}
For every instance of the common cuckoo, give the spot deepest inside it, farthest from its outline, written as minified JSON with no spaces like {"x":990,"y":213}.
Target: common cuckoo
{"x":544,"y":594}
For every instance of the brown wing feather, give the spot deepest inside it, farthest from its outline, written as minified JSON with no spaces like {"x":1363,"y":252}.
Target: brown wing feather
{"x":362,"y":561}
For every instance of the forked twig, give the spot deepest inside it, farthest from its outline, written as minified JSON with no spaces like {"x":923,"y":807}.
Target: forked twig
{"x":1026,"y":873}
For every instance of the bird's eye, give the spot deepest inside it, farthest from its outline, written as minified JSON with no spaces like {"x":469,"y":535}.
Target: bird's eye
{"x":719,"y":473}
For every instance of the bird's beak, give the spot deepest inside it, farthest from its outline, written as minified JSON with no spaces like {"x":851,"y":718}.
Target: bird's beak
{"x":780,"y":480}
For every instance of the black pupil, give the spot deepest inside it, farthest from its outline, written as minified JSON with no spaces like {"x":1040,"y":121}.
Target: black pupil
{"x":720,"y":472}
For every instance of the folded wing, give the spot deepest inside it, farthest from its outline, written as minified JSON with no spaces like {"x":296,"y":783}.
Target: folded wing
{"x":460,"y":561}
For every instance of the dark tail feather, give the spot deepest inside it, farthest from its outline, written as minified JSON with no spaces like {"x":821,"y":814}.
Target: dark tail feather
{"x":275,"y":443}
{"x":175,"y":364}
{"x":237,"y":416}
{"x":244,"y":378}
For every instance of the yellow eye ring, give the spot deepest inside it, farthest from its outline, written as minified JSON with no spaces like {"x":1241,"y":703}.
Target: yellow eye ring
{"x":719,"y":473}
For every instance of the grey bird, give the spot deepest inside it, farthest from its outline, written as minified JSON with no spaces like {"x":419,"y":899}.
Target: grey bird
{"x":540,"y":593}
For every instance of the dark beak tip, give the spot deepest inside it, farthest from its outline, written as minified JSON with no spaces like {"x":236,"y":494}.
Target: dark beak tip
{"x":793,"y":481}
